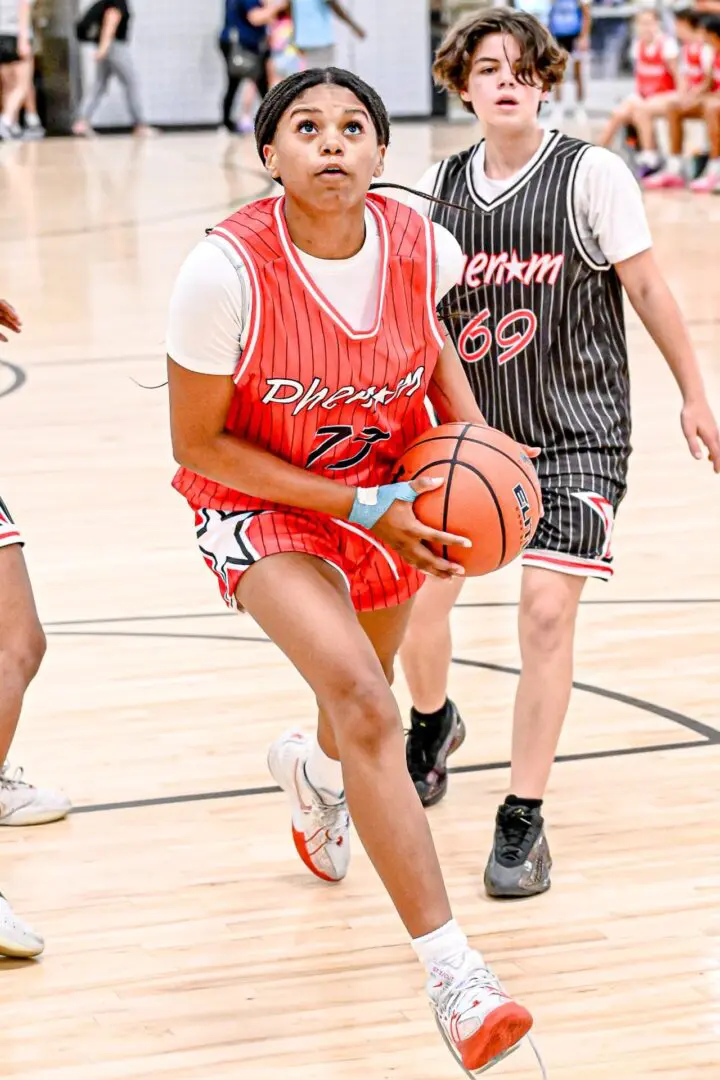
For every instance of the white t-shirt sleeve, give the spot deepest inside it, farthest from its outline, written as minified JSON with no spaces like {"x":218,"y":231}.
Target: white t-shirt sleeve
{"x":209,"y":310}
{"x":707,"y":58}
{"x":609,"y":207}
{"x":671,"y":49}
{"x":450,"y":261}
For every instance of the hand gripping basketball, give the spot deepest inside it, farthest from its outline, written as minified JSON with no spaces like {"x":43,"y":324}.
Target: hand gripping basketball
{"x":388,"y":512}
{"x":491,"y":492}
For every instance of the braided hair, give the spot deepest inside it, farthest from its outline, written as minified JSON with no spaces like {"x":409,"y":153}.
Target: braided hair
{"x":284,"y":93}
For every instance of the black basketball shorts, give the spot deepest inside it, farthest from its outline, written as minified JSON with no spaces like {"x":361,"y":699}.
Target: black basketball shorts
{"x":576,"y":531}
{"x":567,"y":42}
{"x":8,"y":49}
{"x":9,"y":532}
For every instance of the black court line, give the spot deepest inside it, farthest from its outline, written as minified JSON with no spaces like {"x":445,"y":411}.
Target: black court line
{"x":597,"y":603}
{"x":491,"y":766}
{"x":470,"y":604}
{"x":710,"y":734}
{"x":18,"y":378}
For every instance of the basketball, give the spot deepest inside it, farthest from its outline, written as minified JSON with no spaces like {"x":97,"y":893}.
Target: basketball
{"x":491,"y":493}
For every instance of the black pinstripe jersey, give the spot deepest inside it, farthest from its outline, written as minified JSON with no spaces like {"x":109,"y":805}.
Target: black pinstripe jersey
{"x":537,"y":321}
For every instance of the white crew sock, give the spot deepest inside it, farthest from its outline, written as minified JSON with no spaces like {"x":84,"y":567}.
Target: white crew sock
{"x":32,"y":119}
{"x":323,"y":772}
{"x":674,"y":164}
{"x":650,"y":158}
{"x":443,"y":951}
{"x":713,"y":167}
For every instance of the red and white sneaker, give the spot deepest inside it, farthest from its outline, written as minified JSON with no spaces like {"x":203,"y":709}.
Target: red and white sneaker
{"x":706,"y":184}
{"x":479,"y":1022}
{"x":320,"y":824}
{"x":659,"y":180}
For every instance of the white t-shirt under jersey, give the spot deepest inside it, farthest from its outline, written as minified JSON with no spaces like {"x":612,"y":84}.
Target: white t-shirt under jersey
{"x":608,"y":203}
{"x":211,"y":303}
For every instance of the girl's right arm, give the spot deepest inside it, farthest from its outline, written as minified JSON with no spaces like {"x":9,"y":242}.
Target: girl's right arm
{"x":199,"y":406}
{"x":198,"y":409}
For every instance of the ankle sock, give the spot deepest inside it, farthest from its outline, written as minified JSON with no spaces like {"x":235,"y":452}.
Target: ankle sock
{"x":532,"y":804}
{"x":443,"y":951}
{"x":323,"y":772}
{"x":432,"y":719}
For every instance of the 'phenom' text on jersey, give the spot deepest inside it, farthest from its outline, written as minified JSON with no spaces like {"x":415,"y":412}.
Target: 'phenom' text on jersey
{"x":310,"y":388}
{"x":537,"y":321}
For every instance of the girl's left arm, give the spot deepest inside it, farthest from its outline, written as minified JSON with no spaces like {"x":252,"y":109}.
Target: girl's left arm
{"x":450,"y":393}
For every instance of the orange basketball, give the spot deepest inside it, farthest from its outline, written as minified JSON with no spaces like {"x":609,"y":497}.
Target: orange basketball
{"x":491,"y":493}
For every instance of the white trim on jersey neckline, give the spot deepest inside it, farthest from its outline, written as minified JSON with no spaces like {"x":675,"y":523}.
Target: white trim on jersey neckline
{"x":315,"y":291}
{"x":542,"y":153}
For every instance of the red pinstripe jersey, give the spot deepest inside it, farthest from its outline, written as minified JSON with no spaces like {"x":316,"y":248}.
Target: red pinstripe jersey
{"x":309,"y":387}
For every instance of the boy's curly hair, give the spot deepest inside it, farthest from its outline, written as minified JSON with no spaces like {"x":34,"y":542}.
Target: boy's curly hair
{"x":542,"y":61}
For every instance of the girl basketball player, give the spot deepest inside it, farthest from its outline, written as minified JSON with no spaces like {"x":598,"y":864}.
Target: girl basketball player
{"x":22,"y":647}
{"x":553,"y":230}
{"x":703,"y":104}
{"x":655,"y":61}
{"x":302,"y":341}
{"x":694,"y":67}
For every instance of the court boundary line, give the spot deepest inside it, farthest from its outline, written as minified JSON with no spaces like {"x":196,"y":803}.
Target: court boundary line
{"x":220,"y":614}
{"x":708,"y":736}
{"x":490,"y":766}
{"x":18,"y":375}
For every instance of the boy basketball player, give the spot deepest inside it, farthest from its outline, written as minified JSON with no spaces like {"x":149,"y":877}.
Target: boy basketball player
{"x":22,"y":646}
{"x":302,"y":342}
{"x":553,"y":231}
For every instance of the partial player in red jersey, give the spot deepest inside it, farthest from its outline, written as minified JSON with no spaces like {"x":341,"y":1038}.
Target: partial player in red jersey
{"x":702,"y":104}
{"x":655,"y":62}
{"x":22,"y":647}
{"x":694,"y":66}
{"x":302,"y":343}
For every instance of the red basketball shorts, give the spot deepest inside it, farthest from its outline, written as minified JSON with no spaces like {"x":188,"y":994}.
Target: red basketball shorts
{"x":232,"y":541}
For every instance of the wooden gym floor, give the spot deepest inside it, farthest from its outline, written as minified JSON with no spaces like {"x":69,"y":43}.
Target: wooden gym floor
{"x":185,"y":939}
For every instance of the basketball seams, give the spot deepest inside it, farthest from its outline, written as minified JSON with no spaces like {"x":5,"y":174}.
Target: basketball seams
{"x":535,"y":481}
{"x":448,"y":483}
{"x":473,"y":469}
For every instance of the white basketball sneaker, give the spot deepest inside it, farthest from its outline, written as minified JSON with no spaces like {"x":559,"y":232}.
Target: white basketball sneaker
{"x":23,"y":804}
{"x":477,"y":1019}
{"x":320,"y":824}
{"x":16,"y":937}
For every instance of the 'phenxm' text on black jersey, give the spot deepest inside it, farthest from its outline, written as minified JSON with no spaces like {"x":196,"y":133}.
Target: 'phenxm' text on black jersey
{"x":538,"y":323}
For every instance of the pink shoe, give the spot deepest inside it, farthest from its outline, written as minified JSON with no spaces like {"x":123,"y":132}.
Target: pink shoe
{"x":663,"y":179}
{"x":706,"y":184}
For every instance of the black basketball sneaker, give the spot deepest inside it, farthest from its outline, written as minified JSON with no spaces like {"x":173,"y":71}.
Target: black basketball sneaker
{"x":428,"y":747}
{"x":520,"y":862}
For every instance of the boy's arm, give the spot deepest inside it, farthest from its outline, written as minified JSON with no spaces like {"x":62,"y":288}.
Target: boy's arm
{"x":651,"y":297}
{"x":616,"y":218}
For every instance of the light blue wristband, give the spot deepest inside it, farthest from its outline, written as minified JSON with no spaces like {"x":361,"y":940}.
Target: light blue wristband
{"x":371,"y":503}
